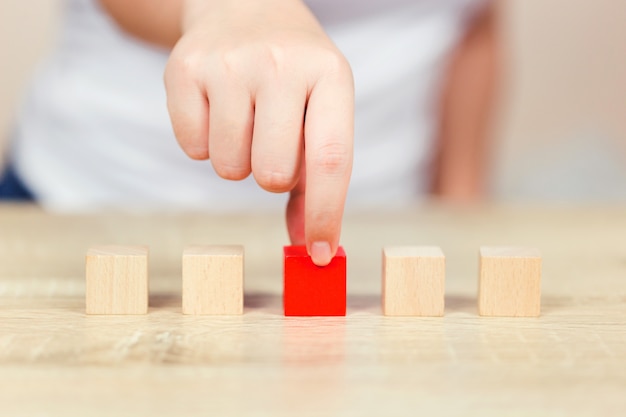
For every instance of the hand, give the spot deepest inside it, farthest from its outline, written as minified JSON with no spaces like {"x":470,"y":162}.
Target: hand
{"x":258,"y":87}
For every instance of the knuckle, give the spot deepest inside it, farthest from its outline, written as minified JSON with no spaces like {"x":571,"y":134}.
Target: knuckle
{"x":236,"y":58}
{"x":275,"y":57}
{"x":336,"y":64}
{"x":269,"y":58}
{"x":332,"y":159}
{"x":325,"y":219}
{"x":181,"y":65}
{"x":228,"y":60}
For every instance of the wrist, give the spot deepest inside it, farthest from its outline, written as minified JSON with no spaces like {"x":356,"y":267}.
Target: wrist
{"x":257,"y":11}
{"x":191,"y":9}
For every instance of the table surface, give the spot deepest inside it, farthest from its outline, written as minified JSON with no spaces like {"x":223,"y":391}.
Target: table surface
{"x":55,"y":360}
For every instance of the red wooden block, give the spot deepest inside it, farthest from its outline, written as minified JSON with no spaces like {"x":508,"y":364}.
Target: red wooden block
{"x":311,"y":290}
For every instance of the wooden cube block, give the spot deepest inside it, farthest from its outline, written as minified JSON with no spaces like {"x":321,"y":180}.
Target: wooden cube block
{"x":510,"y":282}
{"x":213,"y":280}
{"x":311,"y":290}
{"x":117,"y":280}
{"x":413,"y":281}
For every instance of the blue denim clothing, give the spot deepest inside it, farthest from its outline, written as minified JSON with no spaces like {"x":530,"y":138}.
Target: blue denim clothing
{"x":12,"y":188}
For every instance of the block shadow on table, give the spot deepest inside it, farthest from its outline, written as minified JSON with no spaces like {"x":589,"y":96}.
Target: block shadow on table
{"x":372,"y":303}
{"x":460,"y":304}
{"x":356,"y":303}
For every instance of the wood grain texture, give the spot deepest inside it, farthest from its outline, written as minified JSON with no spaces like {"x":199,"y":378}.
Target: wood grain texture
{"x":56,"y":361}
{"x":413,"y":281}
{"x":116,"y":280}
{"x":213,"y":279}
{"x":509,"y":283}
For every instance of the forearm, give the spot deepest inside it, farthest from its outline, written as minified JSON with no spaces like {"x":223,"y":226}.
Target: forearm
{"x":164,"y":22}
{"x":157,"y":22}
{"x":462,"y":157}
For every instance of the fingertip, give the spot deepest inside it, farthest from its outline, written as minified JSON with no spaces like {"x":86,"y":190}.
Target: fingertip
{"x":321,"y":253}
{"x":197,"y":153}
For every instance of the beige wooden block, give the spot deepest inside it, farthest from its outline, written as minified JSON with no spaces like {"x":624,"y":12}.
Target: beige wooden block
{"x":510,"y":282}
{"x":413,"y":281}
{"x":117,"y":280}
{"x":213,"y":280}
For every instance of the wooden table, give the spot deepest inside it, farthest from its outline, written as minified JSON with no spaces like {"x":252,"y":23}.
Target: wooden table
{"x":54,"y":360}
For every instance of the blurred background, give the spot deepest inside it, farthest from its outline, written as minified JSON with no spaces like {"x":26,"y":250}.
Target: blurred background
{"x":560,"y":128}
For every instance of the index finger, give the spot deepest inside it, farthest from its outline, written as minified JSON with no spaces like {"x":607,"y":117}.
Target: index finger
{"x":328,"y":137}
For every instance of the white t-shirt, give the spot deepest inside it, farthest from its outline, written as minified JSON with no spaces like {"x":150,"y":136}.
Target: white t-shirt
{"x":94,"y":130}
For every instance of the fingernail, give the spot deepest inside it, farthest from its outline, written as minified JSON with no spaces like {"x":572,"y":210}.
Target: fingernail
{"x":320,"y":253}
